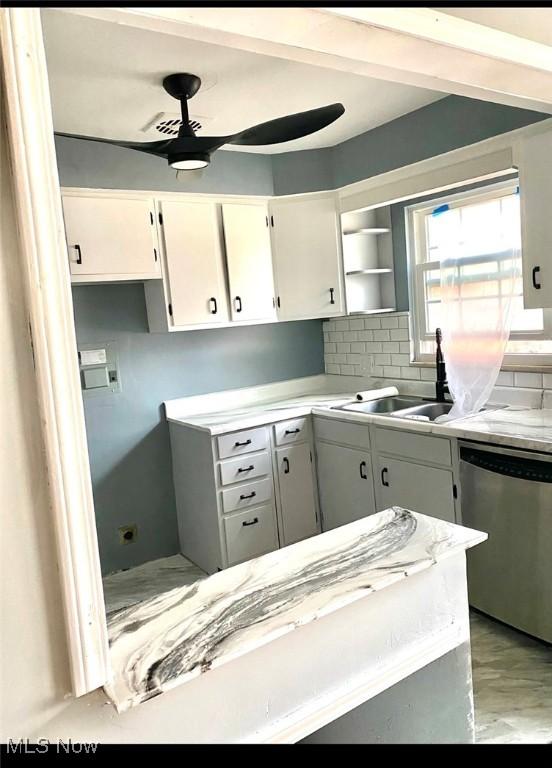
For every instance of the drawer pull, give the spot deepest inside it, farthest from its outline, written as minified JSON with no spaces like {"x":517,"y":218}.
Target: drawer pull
{"x":384,"y":472}
{"x":292,"y":431}
{"x":286,"y":465}
{"x":246,"y":469}
{"x":251,"y":522}
{"x":245,"y":496}
{"x":362,"y":470}
{"x":240,"y":445}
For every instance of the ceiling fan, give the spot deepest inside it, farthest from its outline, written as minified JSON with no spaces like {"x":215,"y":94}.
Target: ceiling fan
{"x":190,"y":152}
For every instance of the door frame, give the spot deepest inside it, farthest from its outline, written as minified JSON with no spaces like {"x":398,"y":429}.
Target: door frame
{"x":45,"y":269}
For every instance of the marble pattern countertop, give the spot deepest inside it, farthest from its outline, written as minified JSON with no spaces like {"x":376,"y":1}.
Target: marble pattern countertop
{"x":514,"y":426}
{"x":256,"y":414}
{"x":181,"y":634}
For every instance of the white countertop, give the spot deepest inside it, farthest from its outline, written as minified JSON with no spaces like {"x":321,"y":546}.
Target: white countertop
{"x":513,"y":426}
{"x":181,"y":634}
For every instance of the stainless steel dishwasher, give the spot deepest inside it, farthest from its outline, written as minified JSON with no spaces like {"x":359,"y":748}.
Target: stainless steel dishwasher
{"x":508,"y":494}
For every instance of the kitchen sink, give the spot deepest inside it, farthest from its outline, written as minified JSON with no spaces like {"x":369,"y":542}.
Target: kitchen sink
{"x":383,"y":405}
{"x":428,"y":411}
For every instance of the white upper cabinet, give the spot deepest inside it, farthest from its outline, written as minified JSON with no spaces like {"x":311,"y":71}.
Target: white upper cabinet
{"x":535,"y":183}
{"x":110,"y":238}
{"x":249,"y":261}
{"x":196,"y":287}
{"x":307,"y":257}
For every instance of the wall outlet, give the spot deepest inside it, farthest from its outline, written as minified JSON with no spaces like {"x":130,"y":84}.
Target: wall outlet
{"x":366,"y":364}
{"x":128,"y":534}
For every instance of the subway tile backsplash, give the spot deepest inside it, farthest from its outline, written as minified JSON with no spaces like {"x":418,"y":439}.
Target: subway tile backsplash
{"x":350,"y":343}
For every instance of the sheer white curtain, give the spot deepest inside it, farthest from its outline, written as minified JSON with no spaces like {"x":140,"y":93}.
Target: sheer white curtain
{"x":480,"y":276}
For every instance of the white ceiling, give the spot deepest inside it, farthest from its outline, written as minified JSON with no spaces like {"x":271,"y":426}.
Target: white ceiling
{"x":531,"y":23}
{"x":105,"y":81}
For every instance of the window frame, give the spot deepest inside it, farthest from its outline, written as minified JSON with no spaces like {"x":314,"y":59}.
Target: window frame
{"x":416,"y":244}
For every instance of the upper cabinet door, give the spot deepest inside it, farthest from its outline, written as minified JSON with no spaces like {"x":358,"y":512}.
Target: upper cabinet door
{"x":111,"y":238}
{"x":535,"y":186}
{"x":194,"y":263}
{"x":249,"y":260}
{"x":307,"y":257}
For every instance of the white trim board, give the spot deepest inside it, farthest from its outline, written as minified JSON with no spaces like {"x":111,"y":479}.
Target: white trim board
{"x":46,"y":275}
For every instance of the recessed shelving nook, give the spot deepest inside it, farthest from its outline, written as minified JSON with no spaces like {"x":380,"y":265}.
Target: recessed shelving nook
{"x":368,"y":261}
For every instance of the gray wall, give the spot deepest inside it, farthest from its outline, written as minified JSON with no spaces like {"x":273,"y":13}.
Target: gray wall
{"x":447,"y":124}
{"x":102,"y":166}
{"x":128,"y":438}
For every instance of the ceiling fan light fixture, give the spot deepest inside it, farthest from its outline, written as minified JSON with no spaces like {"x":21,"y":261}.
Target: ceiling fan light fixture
{"x":189,"y":161}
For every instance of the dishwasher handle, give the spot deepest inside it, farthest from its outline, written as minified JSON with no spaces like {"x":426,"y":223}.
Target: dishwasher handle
{"x":511,"y":466}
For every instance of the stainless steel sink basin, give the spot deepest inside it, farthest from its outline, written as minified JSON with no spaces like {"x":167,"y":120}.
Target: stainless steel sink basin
{"x":428,"y":411}
{"x":383,"y":405}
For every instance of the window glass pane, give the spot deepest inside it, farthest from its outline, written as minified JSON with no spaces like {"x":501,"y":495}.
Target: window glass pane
{"x":487,"y":235}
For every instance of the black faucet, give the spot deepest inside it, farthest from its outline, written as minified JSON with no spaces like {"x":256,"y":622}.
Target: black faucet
{"x":441,"y":385}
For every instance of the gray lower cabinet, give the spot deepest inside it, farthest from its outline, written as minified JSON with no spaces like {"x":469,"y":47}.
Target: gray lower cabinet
{"x":298,"y":509}
{"x":426,"y":484}
{"x":243,"y":494}
{"x":345,"y":484}
{"x":429,"y":490}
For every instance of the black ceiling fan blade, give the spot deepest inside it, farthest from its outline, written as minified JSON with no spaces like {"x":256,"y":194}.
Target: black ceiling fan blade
{"x":290,"y":127}
{"x":158,"y":148}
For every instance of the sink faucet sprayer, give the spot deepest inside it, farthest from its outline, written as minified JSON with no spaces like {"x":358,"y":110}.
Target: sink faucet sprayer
{"x":441,"y":385}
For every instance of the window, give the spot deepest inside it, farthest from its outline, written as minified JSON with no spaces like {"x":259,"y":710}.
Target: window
{"x":486,"y":224}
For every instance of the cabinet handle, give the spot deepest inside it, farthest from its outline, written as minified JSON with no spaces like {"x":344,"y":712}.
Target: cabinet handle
{"x":79,"y":254}
{"x":286,"y":465}
{"x":292,"y":431}
{"x":246,"y":469}
{"x":251,"y":522}
{"x":384,"y":472}
{"x":534,"y":273}
{"x":332,"y":300}
{"x":240,"y":445}
{"x":362,"y":467}
{"x":214,"y":302}
{"x":278,"y":302}
{"x":272,"y":220}
{"x":245,"y":496}
{"x":238,"y":308}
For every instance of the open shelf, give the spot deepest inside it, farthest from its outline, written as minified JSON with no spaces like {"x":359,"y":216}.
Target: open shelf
{"x":368,"y":231}
{"x":368,"y":260}
{"x":382,"y":271}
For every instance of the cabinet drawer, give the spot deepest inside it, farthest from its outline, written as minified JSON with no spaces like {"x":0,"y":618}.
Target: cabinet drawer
{"x":357,"y":435}
{"x":426,"y":448}
{"x":244,"y":468}
{"x":247,"y":495}
{"x":246,"y":441}
{"x":250,"y":534}
{"x":291,"y":431}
